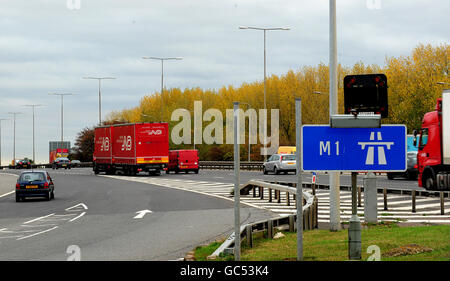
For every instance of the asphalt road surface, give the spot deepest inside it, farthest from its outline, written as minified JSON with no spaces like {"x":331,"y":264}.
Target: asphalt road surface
{"x":94,"y":218}
{"x":99,"y":218}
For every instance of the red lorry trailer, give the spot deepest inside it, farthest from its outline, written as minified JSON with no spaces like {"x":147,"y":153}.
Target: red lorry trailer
{"x":131,"y":148}
{"x":183,"y":160}
{"x":433,"y":157}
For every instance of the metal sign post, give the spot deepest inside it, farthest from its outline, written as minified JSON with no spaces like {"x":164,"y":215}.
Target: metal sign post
{"x":354,"y":230}
{"x":237,"y":192}
{"x":299,"y":196}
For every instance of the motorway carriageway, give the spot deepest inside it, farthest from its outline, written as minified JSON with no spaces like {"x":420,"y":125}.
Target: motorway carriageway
{"x":109,"y":219}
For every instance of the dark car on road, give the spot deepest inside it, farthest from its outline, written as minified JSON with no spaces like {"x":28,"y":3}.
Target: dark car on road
{"x":411,"y":172}
{"x":35,"y":184}
{"x":61,"y":162}
{"x":23,"y":164}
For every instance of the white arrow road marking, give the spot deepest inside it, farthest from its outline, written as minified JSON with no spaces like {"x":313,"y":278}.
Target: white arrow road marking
{"x":77,"y":206}
{"x":141,"y":214}
{"x":79,"y":216}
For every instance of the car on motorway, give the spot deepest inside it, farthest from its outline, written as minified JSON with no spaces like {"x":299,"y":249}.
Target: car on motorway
{"x":61,"y":162}
{"x":75,"y":163}
{"x":35,"y":184}
{"x":278,"y":163}
{"x":23,"y":164}
{"x":412,"y":170}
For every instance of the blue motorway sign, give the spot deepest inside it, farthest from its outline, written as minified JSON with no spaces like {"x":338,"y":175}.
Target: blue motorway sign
{"x":354,"y":149}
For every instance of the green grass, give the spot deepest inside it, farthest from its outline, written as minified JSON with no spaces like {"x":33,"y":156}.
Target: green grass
{"x":324,"y":245}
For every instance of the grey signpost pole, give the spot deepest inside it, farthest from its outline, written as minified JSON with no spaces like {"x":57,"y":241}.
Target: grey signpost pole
{"x":237,"y":192}
{"x":299,"y":195}
{"x":370,"y":198}
{"x":354,"y":231}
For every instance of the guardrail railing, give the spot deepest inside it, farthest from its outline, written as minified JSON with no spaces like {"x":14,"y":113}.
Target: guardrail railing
{"x":229,"y":165}
{"x":310,"y":215}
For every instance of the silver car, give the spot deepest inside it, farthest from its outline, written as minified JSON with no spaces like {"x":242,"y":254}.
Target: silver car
{"x":280,"y":163}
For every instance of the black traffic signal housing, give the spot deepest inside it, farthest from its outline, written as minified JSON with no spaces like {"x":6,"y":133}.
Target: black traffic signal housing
{"x":366,"y":93}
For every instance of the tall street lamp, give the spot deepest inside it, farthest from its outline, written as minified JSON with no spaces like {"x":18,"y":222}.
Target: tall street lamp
{"x":33,"y":106}
{"x":14,"y":138}
{"x":99,"y":95}
{"x":162,"y":74}
{"x":264,"y":29}
{"x":249,"y":132}
{"x":62,"y":112}
{"x":1,"y":140}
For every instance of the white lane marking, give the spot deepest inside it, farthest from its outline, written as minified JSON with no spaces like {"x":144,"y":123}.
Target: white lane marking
{"x":141,"y":214}
{"x":76,"y":206}
{"x":188,"y":190}
{"x":79,"y":216}
{"x":6,"y":194}
{"x":44,"y":231}
{"x":36,"y":219}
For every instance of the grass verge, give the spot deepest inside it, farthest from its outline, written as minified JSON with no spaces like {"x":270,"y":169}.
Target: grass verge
{"x":418,"y":243}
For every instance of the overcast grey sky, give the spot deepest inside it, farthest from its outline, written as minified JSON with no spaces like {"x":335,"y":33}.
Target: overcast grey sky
{"x":48,"y":46}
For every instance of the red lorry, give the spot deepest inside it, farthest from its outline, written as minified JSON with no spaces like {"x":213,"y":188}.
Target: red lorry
{"x":183,"y":160}
{"x":433,"y":157}
{"x":131,"y":148}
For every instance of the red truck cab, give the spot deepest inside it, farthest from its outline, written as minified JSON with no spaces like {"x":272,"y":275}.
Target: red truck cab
{"x":433,"y":166}
{"x":183,"y":160}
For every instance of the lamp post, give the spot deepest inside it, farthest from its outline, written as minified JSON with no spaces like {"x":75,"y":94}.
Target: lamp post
{"x":265,"y":105}
{"x":1,"y":140}
{"x":14,"y":138}
{"x":249,"y":124}
{"x":33,"y":106}
{"x":99,"y":95}
{"x":151,"y":116}
{"x":335,"y":217}
{"x":162,"y":74}
{"x":62,"y":112}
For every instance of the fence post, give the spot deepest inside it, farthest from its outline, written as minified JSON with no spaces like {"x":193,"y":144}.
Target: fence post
{"x":279,"y":196}
{"x":254,"y":191}
{"x":413,"y":201}
{"x":288,"y":199}
{"x":317,"y":212}
{"x":442,"y":203}
{"x":291,"y":223}
{"x":359,"y":196}
{"x":270,"y":229}
{"x":261,"y":192}
{"x":249,"y":233}
{"x":270,"y":195}
{"x":313,"y":186}
{"x":385,"y":199}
